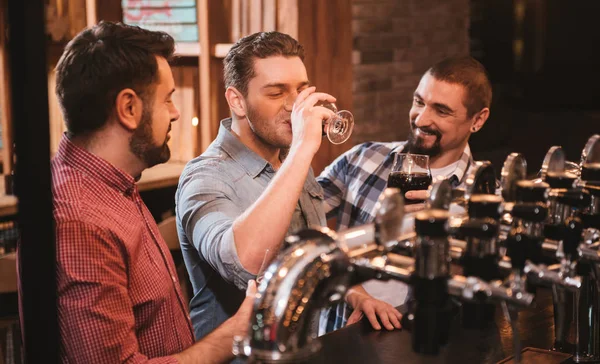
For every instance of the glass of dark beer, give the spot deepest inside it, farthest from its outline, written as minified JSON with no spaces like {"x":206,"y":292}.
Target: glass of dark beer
{"x":339,"y":127}
{"x":410,"y":172}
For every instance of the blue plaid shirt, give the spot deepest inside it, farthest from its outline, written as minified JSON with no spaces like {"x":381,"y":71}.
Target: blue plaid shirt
{"x":352,"y":184}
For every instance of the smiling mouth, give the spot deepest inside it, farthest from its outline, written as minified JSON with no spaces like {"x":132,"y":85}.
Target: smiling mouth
{"x":421,"y":132}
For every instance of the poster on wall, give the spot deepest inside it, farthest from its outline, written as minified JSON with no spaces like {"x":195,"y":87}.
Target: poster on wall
{"x":175,"y":17}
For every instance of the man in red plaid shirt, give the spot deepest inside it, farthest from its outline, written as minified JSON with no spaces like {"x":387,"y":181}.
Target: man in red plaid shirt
{"x":118,"y":293}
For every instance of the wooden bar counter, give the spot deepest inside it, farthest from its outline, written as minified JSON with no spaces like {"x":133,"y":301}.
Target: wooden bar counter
{"x":359,"y":343}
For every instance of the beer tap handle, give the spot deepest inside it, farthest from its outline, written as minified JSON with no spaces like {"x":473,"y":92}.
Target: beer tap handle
{"x":533,"y":212}
{"x":476,"y":289}
{"x":575,"y":197}
{"x":572,"y":236}
{"x":479,"y":228}
{"x":516,"y":250}
{"x":542,"y":275}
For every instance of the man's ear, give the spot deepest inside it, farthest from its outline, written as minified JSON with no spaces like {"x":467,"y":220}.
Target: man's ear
{"x":479,"y":119}
{"x":236,"y":101}
{"x":128,"y":106}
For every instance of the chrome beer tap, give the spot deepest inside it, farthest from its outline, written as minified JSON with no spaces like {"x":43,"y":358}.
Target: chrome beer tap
{"x":481,"y":255}
{"x":319,"y":266}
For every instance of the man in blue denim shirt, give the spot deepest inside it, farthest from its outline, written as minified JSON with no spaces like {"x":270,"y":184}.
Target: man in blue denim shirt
{"x":240,"y":198}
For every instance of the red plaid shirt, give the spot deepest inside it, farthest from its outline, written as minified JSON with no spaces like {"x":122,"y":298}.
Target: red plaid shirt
{"x":118,"y":295}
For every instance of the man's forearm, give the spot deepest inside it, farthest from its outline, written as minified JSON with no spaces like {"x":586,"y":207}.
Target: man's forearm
{"x":264,"y":225}
{"x":214,"y":348}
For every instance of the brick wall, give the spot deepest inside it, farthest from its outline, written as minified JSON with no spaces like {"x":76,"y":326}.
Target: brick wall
{"x":395,"y":41}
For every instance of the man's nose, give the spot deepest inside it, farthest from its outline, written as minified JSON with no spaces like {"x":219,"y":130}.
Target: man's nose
{"x":288,"y":102}
{"x":424,"y":117}
{"x":175,"y":115}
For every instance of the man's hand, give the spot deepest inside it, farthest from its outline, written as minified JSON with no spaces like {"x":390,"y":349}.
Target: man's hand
{"x":307,"y":119}
{"x":216,"y":346}
{"x":415,"y":195}
{"x":365,"y":304}
{"x":242,"y":316}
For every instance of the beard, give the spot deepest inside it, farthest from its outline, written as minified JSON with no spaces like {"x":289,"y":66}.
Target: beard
{"x":265,"y":131}
{"x":142,"y":143}
{"x":415,"y":144}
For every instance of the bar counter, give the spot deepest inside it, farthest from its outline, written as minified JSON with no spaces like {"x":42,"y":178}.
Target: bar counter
{"x":359,"y":343}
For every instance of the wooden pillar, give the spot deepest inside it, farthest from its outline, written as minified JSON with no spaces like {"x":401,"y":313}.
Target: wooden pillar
{"x":37,"y":252}
{"x":214,"y":18}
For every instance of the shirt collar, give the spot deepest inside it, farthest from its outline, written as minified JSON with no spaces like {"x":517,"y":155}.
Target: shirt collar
{"x":252,"y":163}
{"x":94,"y":166}
{"x":459,"y":173}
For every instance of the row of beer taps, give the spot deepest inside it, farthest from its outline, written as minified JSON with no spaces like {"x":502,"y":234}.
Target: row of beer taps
{"x":531,"y":233}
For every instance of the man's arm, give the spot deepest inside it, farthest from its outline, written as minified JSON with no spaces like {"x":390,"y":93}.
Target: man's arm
{"x":217,"y":346}
{"x":95,"y":311}
{"x":237,"y":242}
{"x":259,"y":231}
{"x":231,"y":240}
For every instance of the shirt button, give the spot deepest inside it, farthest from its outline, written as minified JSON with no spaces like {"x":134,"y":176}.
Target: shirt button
{"x":174,"y":279}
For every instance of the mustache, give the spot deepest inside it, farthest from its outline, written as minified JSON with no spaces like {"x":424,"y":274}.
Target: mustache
{"x":427,"y":130}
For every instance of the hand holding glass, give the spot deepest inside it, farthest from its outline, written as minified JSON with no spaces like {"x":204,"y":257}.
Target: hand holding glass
{"x":410,"y":172}
{"x":339,"y":127}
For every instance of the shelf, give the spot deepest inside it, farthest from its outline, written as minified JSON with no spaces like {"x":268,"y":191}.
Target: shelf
{"x":161,"y":176}
{"x":8,"y":203}
{"x":187,"y":49}
{"x":221,"y":49}
{"x":193,"y":49}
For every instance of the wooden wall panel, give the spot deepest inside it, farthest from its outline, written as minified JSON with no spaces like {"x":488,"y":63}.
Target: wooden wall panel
{"x":287,"y":17}
{"x":327,"y":40}
{"x":269,"y":15}
{"x":255,"y":11}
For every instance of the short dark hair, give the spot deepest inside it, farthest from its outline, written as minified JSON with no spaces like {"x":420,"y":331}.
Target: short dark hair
{"x":239,"y":62}
{"x":471,"y":74}
{"x":100,"y":62}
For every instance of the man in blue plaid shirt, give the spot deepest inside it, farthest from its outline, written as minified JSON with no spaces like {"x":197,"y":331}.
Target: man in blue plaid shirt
{"x":451,"y":102}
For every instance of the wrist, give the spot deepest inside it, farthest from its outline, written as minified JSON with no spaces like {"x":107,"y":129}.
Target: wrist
{"x":301,"y":151}
{"x":353,"y":297}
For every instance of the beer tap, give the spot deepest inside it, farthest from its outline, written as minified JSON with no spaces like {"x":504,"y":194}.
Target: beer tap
{"x":317,"y":269}
{"x":430,"y":310}
{"x":481,"y":256}
{"x":587,"y":301}
{"x":432,"y":306}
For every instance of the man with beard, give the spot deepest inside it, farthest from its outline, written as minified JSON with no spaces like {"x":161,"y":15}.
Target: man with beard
{"x":240,"y":198}
{"x":451,"y":102}
{"x":118,"y":294}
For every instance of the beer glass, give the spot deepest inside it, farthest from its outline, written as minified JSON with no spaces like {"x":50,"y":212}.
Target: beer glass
{"x":410,"y":172}
{"x":339,"y":127}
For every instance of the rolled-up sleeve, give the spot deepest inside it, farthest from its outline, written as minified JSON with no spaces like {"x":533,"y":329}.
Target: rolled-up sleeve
{"x":206,"y":212}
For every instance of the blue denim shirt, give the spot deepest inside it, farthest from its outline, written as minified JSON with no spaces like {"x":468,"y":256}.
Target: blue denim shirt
{"x":214,"y":189}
